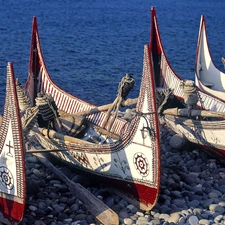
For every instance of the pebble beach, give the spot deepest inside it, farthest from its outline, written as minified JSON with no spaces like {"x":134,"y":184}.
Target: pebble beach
{"x":192,"y":192}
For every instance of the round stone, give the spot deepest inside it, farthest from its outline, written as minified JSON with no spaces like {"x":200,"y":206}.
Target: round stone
{"x":177,"y":142}
{"x":193,"y":220}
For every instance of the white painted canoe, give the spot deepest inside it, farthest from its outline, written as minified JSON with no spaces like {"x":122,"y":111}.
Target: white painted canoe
{"x":166,"y":77}
{"x":207,"y":134}
{"x":131,"y":164}
{"x":207,"y":76}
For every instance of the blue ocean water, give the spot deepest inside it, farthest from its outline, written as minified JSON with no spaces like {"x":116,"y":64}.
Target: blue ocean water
{"x":89,"y":45}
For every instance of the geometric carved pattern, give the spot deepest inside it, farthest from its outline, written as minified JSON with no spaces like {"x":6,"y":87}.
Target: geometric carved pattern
{"x":6,"y":178}
{"x":141,"y":163}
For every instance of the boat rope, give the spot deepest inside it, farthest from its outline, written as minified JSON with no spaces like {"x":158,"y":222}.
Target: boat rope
{"x":162,"y":97}
{"x":45,"y":108}
{"x":151,"y":131}
{"x":124,"y":87}
{"x":48,"y":109}
{"x":23,"y":99}
{"x":191,"y":92}
{"x":190,"y":95}
{"x":29,"y":119}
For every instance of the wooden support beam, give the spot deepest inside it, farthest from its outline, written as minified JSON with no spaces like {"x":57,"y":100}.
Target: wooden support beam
{"x":193,"y":113}
{"x":53,"y":134}
{"x":127,"y":102}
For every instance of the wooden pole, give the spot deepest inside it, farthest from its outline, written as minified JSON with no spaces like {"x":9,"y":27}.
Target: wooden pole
{"x":95,"y":206}
{"x":115,"y":113}
{"x":53,"y":134}
{"x":128,"y":102}
{"x":113,"y":105}
{"x":193,"y":113}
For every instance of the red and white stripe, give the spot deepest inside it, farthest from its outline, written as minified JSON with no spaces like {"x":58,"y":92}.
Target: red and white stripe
{"x":72,"y":104}
{"x":172,"y":81}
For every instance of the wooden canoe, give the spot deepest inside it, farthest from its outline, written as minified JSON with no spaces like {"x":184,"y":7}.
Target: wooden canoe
{"x":208,"y":134}
{"x":205,"y":133}
{"x":130,"y":163}
{"x":12,"y":161}
{"x":207,"y":76}
{"x":166,"y":77}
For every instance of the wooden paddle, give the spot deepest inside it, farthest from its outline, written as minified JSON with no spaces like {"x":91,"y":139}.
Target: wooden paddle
{"x":95,"y":206}
{"x":193,"y":113}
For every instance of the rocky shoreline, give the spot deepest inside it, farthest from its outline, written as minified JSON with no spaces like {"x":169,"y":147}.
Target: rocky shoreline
{"x":192,"y":192}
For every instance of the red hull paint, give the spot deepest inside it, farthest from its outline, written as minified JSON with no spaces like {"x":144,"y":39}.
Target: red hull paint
{"x":11,"y":210}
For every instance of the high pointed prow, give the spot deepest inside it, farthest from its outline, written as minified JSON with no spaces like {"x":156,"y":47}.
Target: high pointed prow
{"x":12,"y":159}
{"x":208,"y":77}
{"x":36,"y":62}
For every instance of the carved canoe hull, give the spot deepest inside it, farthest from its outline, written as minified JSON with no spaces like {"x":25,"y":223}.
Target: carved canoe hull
{"x":207,"y":134}
{"x":207,"y":76}
{"x":166,"y":77}
{"x":12,"y":161}
{"x":130,"y":164}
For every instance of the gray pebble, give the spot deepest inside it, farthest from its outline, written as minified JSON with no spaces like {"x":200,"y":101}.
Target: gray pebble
{"x":144,"y":219}
{"x":174,"y":217}
{"x":216,"y":208}
{"x":193,"y":220}
{"x":164,"y":216}
{"x":123,"y":214}
{"x":32,"y":208}
{"x":32,"y":159}
{"x":204,"y":222}
{"x":140,"y":213}
{"x":128,"y":221}
{"x":218,"y":218}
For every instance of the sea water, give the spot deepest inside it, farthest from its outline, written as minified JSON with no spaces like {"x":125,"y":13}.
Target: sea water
{"x":89,"y":45}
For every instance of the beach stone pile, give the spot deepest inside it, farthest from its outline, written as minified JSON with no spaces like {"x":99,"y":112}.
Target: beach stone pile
{"x":192,"y":192}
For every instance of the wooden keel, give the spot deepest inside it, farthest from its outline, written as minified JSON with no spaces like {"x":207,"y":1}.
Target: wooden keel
{"x":95,"y":206}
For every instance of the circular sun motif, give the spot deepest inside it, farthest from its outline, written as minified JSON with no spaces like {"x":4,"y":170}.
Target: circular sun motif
{"x":141,"y":163}
{"x":6,"y":178}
